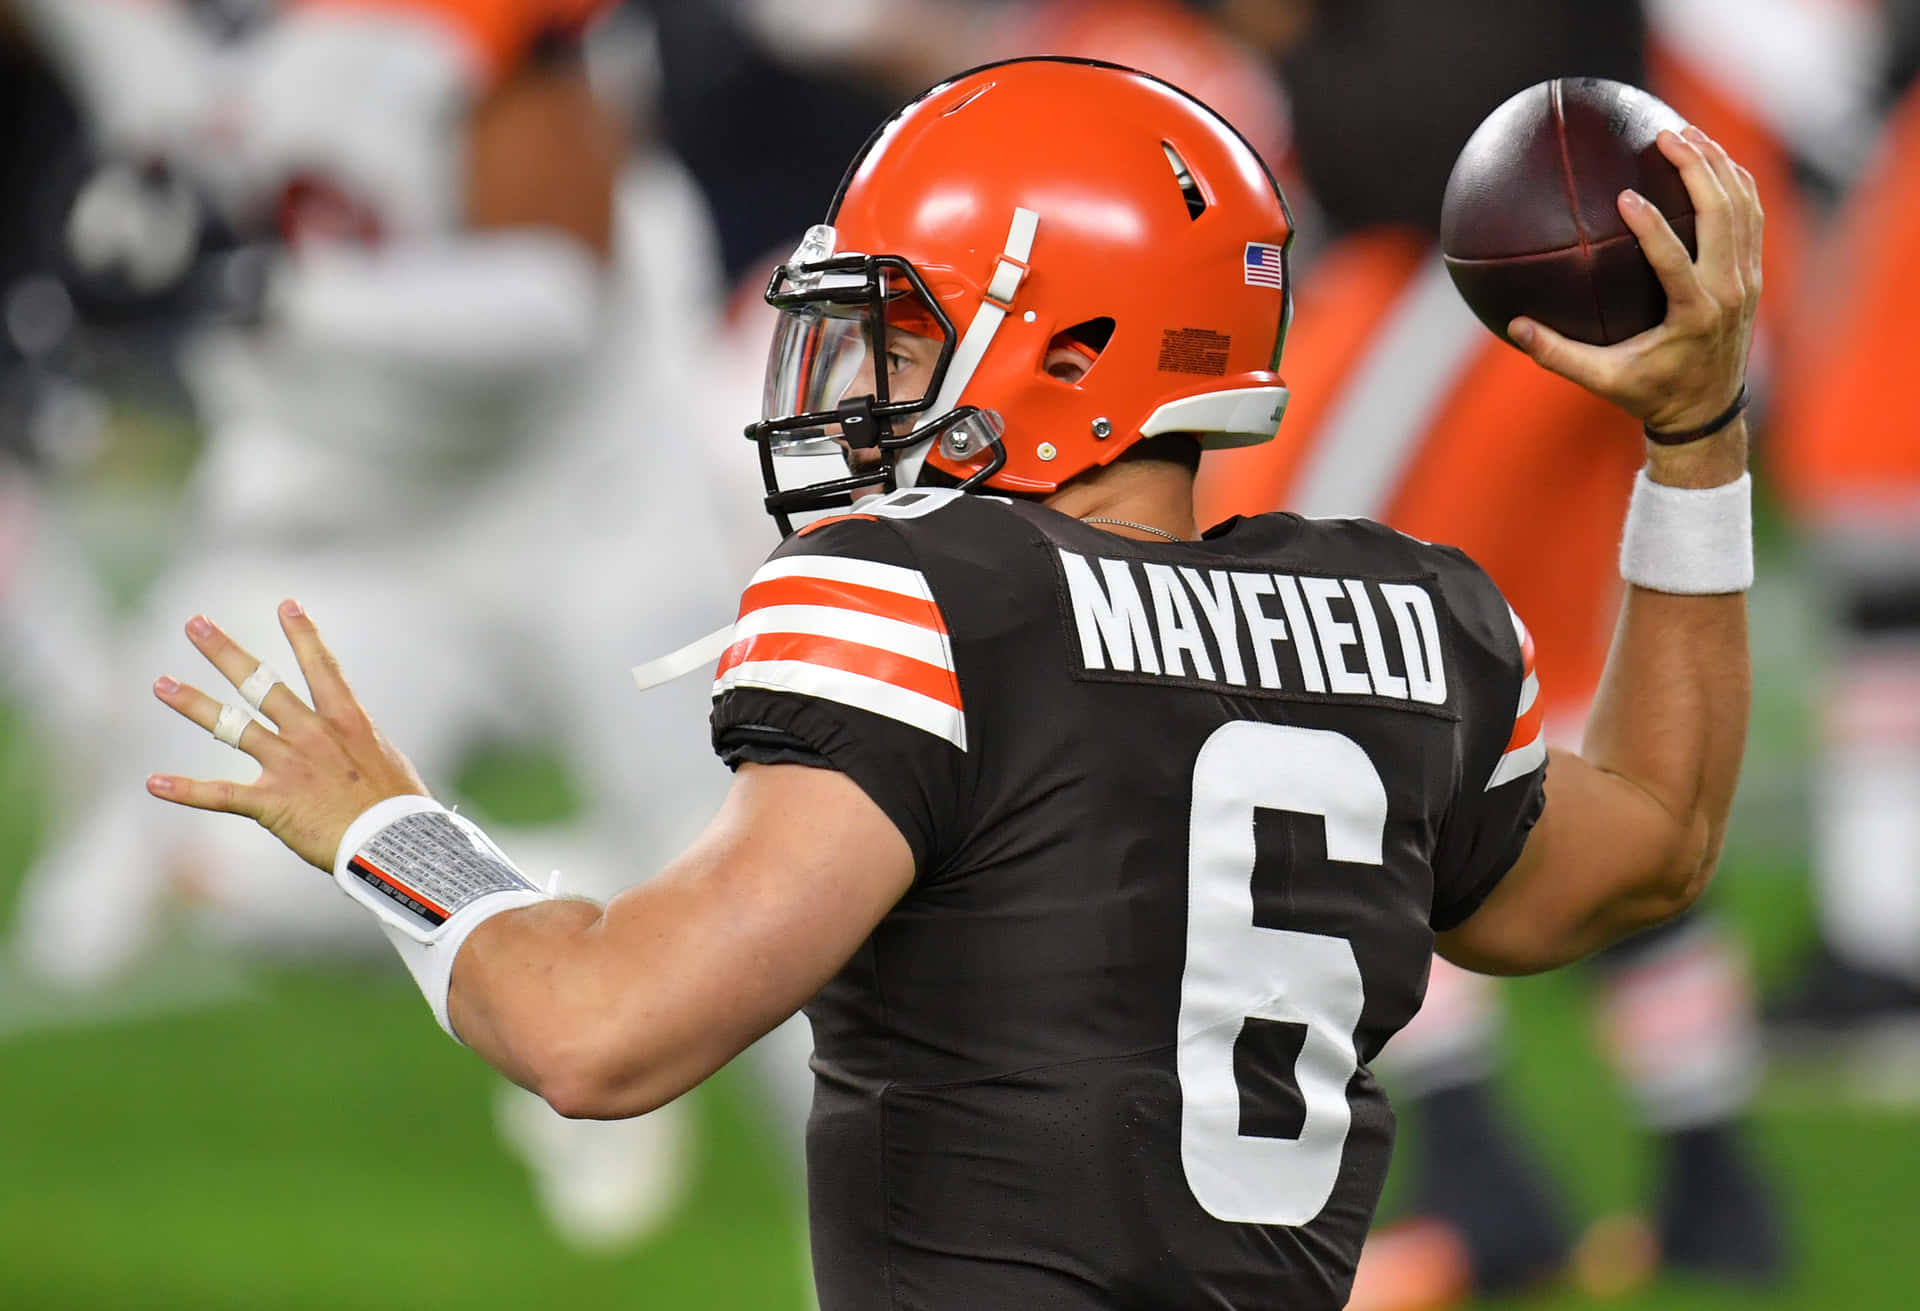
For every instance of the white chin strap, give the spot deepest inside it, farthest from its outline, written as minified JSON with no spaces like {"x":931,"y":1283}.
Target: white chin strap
{"x":701,"y":651}
{"x":1008,"y":274}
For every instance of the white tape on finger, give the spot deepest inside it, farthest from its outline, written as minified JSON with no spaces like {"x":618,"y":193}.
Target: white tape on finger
{"x":257,"y":684}
{"x":232,"y":723}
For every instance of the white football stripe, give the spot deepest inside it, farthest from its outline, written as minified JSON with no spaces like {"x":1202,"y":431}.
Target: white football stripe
{"x":849,"y":625}
{"x":1529,"y":693}
{"x":1386,"y":402}
{"x":870,"y":694}
{"x":1520,"y":761}
{"x":841,"y":569}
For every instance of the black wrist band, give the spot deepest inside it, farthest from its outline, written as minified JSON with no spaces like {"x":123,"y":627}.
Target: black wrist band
{"x":1707,"y":429}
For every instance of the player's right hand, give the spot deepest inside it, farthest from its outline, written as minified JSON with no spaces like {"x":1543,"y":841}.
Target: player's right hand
{"x":1688,"y":369}
{"x":321,"y":766}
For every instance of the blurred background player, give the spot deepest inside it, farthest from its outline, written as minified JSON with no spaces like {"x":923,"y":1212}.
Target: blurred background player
{"x":75,"y":323}
{"x":1405,"y":412}
{"x":426,"y":383}
{"x":1847,"y":457}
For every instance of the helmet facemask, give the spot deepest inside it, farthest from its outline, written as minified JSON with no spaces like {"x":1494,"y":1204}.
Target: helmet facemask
{"x":859,"y":355}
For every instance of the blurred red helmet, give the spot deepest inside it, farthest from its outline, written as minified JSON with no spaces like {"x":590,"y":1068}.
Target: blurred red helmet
{"x":1019,"y":207}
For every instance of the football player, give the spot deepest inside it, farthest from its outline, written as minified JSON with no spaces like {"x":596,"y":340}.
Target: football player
{"x":1104,"y":854}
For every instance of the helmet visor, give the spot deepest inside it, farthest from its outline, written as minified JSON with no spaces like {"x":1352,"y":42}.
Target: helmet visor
{"x":824,"y":356}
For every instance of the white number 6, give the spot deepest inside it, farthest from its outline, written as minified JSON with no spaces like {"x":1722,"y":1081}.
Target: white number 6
{"x":1237,"y":970}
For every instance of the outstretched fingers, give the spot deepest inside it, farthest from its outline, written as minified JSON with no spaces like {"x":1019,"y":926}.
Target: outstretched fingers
{"x":320,"y":766}
{"x":210,"y":794}
{"x":207,"y":794}
{"x":236,"y":664}
{"x":195,"y":706}
{"x":331,"y":695}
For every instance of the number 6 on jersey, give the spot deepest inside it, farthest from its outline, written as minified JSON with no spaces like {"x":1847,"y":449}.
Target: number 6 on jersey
{"x":1237,"y":971}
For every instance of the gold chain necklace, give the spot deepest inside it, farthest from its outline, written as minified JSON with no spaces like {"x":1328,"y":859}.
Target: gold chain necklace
{"x":1128,"y":523}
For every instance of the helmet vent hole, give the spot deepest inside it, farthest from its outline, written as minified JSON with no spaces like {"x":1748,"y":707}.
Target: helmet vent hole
{"x":1072,"y":351}
{"x":1189,"y":189}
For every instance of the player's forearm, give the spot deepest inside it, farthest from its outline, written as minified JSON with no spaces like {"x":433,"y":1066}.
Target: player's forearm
{"x":609,"y":1013}
{"x":512,"y":985}
{"x":546,"y":996}
{"x":1634,"y":822}
{"x":1670,"y":718}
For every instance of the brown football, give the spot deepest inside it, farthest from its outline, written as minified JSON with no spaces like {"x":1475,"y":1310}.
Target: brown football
{"x":1529,"y":224}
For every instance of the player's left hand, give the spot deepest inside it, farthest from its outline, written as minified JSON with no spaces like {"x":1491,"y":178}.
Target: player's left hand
{"x":320,"y":765}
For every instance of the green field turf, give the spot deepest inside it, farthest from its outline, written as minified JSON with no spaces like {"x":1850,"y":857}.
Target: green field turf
{"x":213,"y":1136}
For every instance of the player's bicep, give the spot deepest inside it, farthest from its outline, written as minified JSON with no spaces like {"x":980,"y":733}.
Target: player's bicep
{"x":791,"y":876}
{"x":1581,"y":881}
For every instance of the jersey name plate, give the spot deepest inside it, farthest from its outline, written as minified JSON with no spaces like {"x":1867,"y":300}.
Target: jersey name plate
{"x":1250,"y":631}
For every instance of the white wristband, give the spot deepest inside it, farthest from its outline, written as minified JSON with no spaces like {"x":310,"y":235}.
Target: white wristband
{"x":1689,"y":541}
{"x":430,"y":877}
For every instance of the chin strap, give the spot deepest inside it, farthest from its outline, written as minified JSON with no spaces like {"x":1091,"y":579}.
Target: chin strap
{"x":1008,"y":273}
{"x":675,"y":664}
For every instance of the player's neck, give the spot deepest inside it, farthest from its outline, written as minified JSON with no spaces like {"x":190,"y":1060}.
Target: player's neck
{"x":1154,"y":493}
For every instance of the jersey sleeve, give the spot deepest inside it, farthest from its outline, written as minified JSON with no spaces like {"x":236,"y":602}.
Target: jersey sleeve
{"x":841,"y":657}
{"x":1502,"y":784}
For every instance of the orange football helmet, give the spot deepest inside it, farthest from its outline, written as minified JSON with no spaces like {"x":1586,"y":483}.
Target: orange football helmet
{"x":1019,"y":207}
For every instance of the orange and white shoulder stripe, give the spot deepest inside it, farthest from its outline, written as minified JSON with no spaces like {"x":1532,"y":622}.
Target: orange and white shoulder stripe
{"x":862,"y":633}
{"x":1527,"y":748}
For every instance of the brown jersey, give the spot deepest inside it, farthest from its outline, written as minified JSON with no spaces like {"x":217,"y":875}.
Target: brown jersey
{"x":1185,"y":819}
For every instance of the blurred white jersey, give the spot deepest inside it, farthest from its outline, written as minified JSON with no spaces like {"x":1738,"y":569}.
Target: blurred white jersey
{"x":145,"y":75}
{"x":389,"y":382}
{"x":369,"y":103}
{"x":1805,"y":68}
{"x":401,"y":359}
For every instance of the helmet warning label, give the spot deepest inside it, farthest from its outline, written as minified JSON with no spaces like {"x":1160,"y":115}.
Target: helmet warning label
{"x":1194,"y":350}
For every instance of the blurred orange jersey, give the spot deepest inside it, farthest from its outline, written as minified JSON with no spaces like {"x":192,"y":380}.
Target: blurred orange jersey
{"x":1404,"y":409}
{"x":500,"y":32}
{"x":1847,"y":438}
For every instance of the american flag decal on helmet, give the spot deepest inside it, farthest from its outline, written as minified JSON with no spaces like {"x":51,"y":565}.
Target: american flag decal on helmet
{"x":865,"y":634}
{"x":1264,"y":268}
